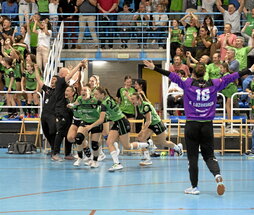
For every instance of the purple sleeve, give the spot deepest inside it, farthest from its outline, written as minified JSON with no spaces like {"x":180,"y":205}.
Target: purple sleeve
{"x":176,"y":79}
{"x":221,"y":83}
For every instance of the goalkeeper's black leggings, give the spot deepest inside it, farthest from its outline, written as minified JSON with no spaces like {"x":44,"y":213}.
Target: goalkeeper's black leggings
{"x":200,"y":134}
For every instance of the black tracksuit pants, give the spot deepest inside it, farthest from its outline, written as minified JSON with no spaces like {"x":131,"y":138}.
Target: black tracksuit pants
{"x":200,"y":134}
{"x":63,"y":123}
{"x":48,"y":123}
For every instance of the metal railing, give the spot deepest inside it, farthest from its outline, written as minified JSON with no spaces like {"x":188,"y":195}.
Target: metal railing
{"x":39,"y":106}
{"x":54,"y":57}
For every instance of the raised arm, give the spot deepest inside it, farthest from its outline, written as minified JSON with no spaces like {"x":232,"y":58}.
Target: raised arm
{"x":75,"y":69}
{"x":183,"y":19}
{"x":242,"y":3}
{"x":38,"y":77}
{"x":219,"y":6}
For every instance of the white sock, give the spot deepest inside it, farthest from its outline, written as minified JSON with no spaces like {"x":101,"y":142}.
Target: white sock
{"x":142,"y":145}
{"x":176,"y":148}
{"x":147,"y":155}
{"x":131,"y":146}
{"x":114,"y":157}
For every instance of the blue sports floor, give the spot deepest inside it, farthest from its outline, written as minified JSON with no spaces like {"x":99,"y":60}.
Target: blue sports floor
{"x":33,"y":184}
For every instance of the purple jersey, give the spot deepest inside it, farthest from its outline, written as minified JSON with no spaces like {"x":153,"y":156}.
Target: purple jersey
{"x":200,"y":102}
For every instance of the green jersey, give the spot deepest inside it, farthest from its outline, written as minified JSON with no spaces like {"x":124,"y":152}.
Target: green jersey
{"x":17,"y":70}
{"x":177,"y":6}
{"x":112,"y":109}
{"x":145,"y":108}
{"x":249,"y":28}
{"x":21,"y":49}
{"x":8,"y":74}
{"x":43,"y":6}
{"x":230,"y":89}
{"x":241,"y":56}
{"x":126,"y":106}
{"x":212,"y":72}
{"x":31,"y":82}
{"x":175,"y":35}
{"x":189,"y":35}
{"x":87,"y":110}
{"x":33,"y":36}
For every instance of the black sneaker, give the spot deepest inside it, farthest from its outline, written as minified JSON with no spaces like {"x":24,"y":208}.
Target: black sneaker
{"x":249,"y":153}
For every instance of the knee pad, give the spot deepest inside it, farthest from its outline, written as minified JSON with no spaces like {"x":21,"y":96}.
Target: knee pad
{"x":95,"y":145}
{"x":79,"y":138}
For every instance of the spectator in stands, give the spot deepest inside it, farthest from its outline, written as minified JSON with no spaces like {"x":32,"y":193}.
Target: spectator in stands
{"x":178,"y":65}
{"x":23,"y":9}
{"x":241,"y":52}
{"x":7,"y":31}
{"x":232,"y":15}
{"x":33,"y":36}
{"x":107,"y":6}
{"x":125,"y":24}
{"x":176,"y":37}
{"x":202,"y":42}
{"x":131,"y":4}
{"x":87,"y":6}
{"x":250,"y":19}
{"x":213,"y":69}
{"x":155,"y":3}
{"x":232,"y":62}
{"x":250,"y":39}
{"x":213,"y":30}
{"x":190,"y":30}
{"x":43,"y":48}
{"x":33,"y":7}
{"x":180,"y":53}
{"x":10,"y":6}
{"x":249,"y":4}
{"x":142,"y":23}
{"x":176,"y":6}
{"x":29,"y":83}
{"x":6,"y":46}
{"x":43,"y":7}
{"x":225,"y":39}
{"x":53,"y":17}
{"x":230,"y":89}
{"x":208,"y":5}
{"x":160,"y":23}
{"x":208,"y":22}
{"x":192,"y":62}
{"x":20,"y":46}
{"x":175,"y":100}
{"x":25,"y":32}
{"x":148,"y":5}
{"x":70,"y":24}
{"x":10,"y":85}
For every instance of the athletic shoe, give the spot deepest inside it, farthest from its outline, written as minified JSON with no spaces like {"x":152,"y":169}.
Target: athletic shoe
{"x":102,"y":156}
{"x":78,"y":162}
{"x":193,"y":191}
{"x":69,"y":157}
{"x":220,"y":185}
{"x":180,"y":152}
{"x":95,"y":164}
{"x":57,"y":158}
{"x":117,"y":148}
{"x":115,"y":167}
{"x":146,"y":163}
{"x":89,"y":163}
{"x":249,"y":153}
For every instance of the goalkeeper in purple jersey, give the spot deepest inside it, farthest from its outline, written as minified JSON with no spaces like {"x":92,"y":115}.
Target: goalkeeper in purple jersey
{"x":200,"y":98}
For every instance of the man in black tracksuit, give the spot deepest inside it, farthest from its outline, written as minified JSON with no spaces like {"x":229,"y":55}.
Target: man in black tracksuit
{"x":48,"y":119}
{"x":63,"y":118}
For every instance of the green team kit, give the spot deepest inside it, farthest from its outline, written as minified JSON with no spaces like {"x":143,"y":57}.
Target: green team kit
{"x":156,"y":124}
{"x":31,"y":82}
{"x":8,"y":74}
{"x":126,"y":106}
